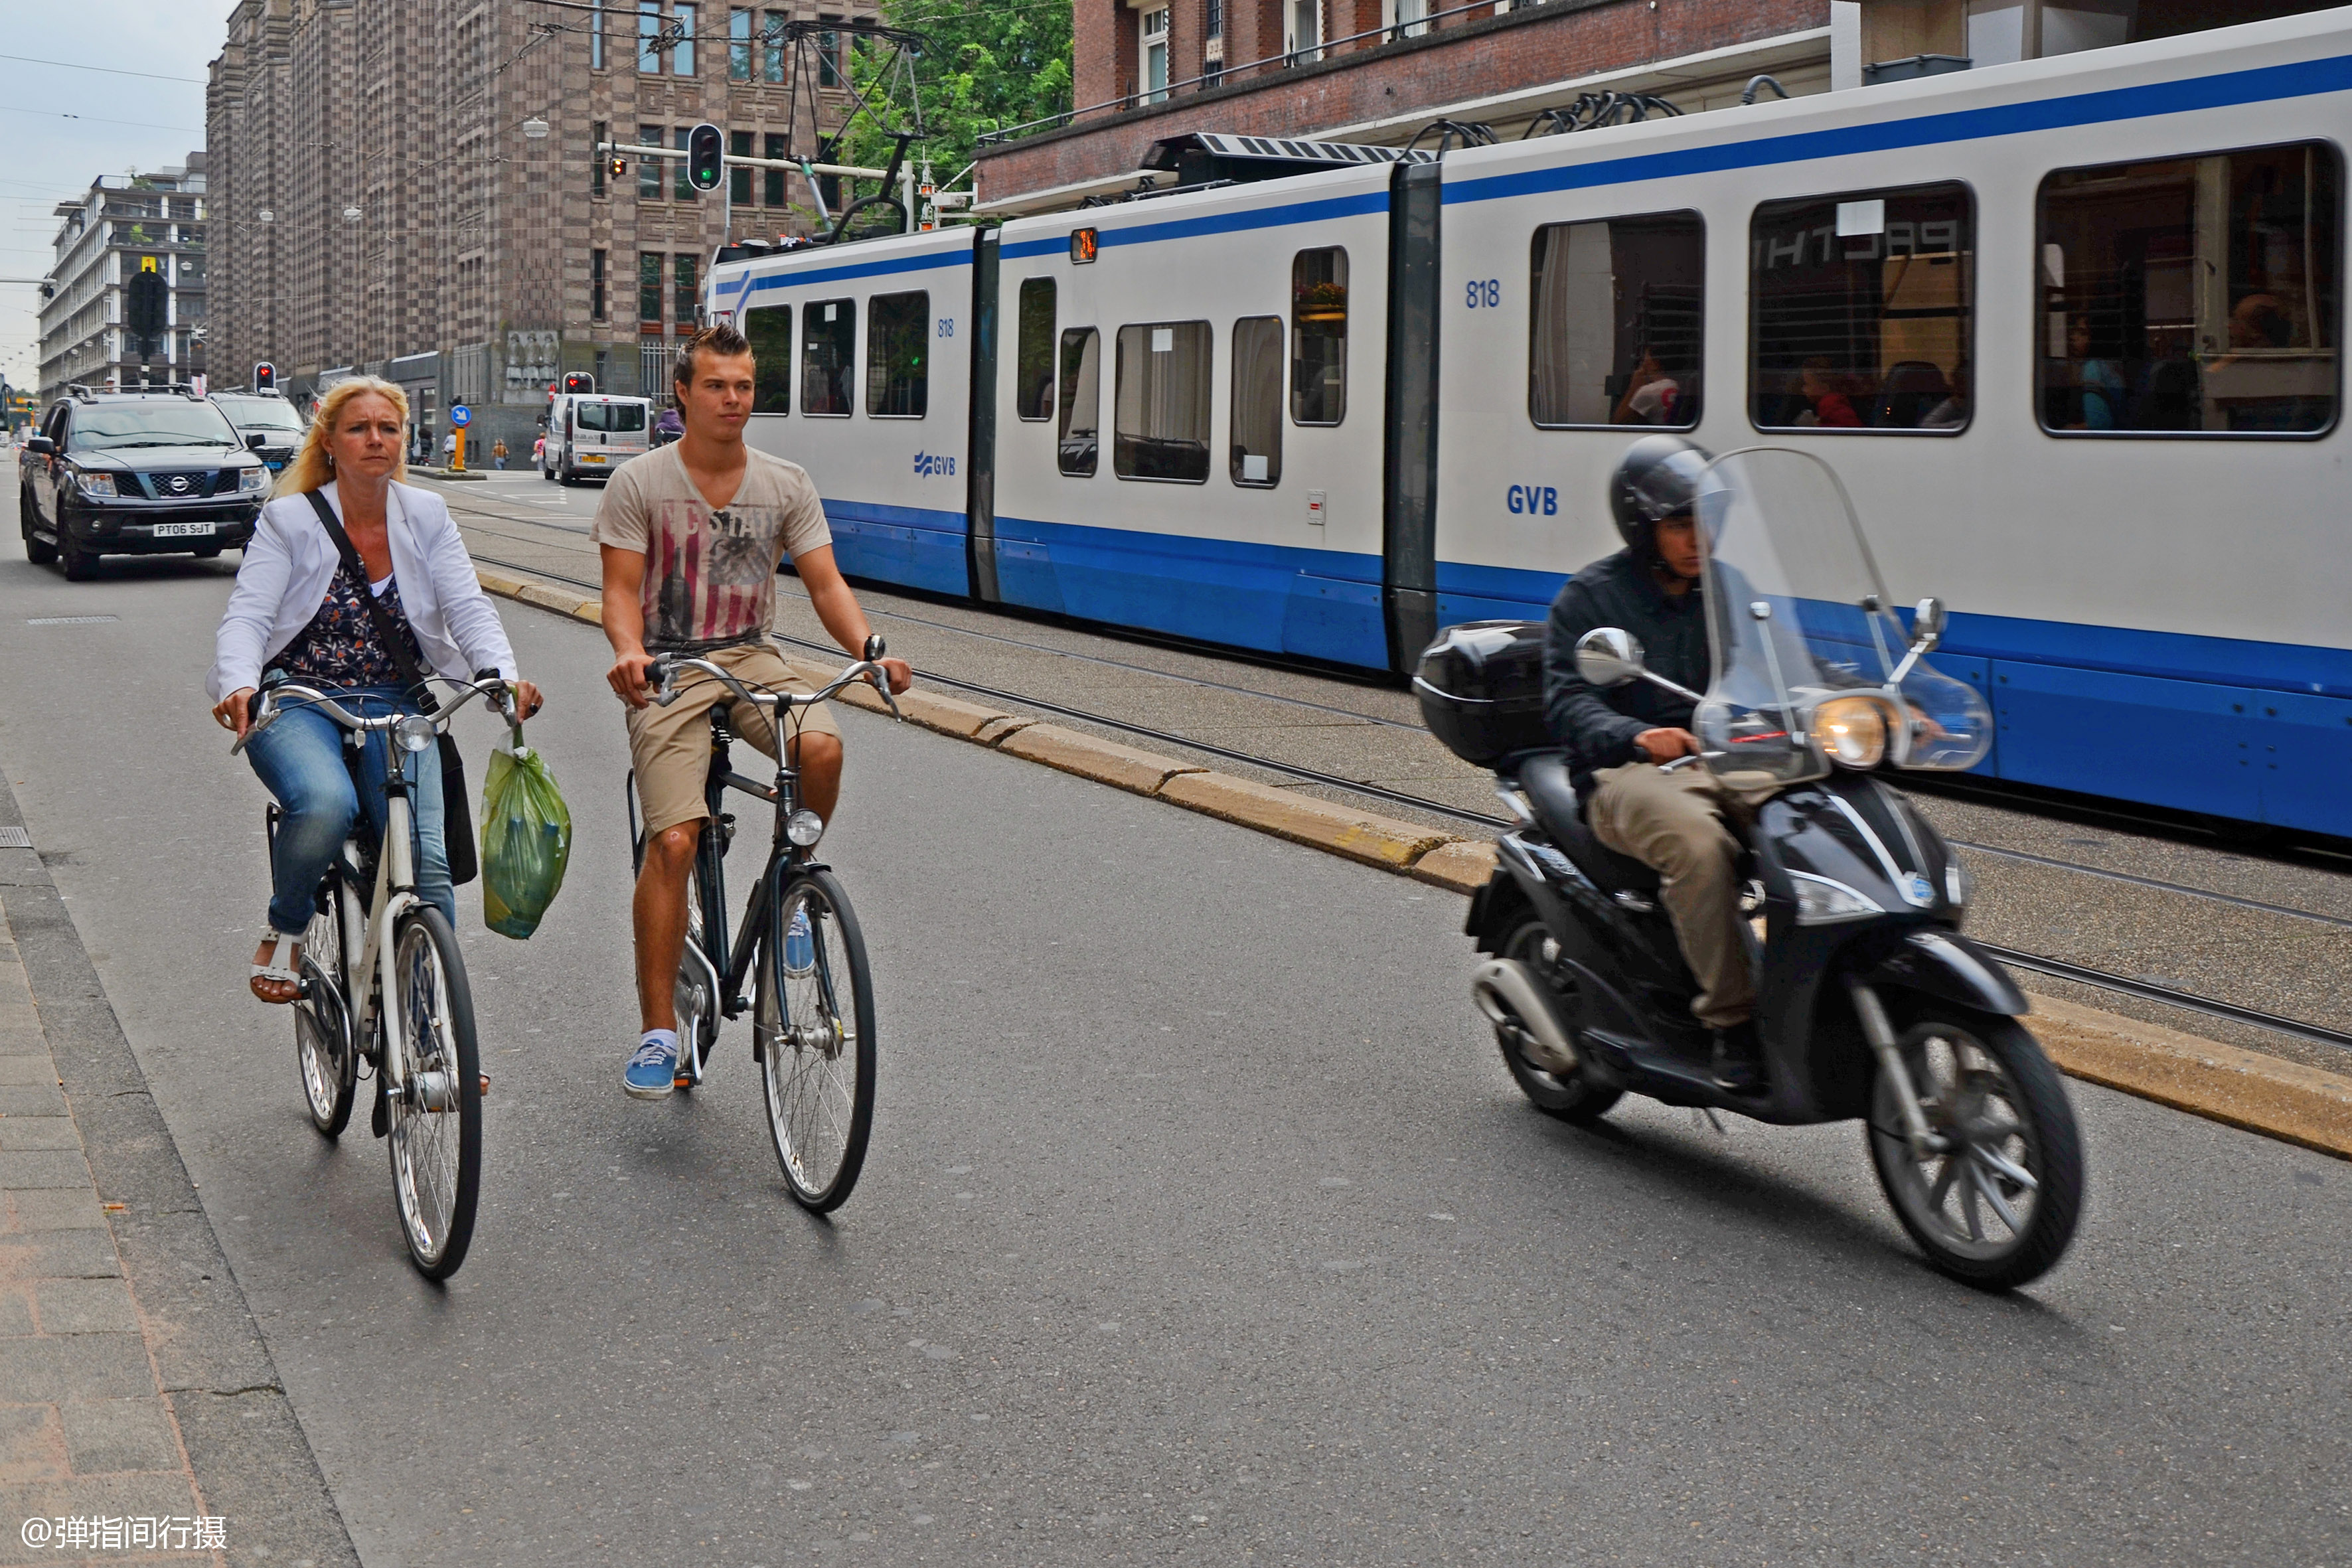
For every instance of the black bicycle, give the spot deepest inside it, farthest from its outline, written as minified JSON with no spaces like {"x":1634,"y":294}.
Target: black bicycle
{"x":800,"y":951}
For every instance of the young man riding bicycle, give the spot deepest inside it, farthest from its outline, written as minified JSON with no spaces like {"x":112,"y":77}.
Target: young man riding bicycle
{"x":692,"y":535}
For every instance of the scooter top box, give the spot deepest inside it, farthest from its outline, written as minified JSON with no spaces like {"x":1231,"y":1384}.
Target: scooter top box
{"x":1481,"y":689}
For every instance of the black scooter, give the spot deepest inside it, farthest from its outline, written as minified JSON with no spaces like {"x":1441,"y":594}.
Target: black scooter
{"x":1871,"y":1003}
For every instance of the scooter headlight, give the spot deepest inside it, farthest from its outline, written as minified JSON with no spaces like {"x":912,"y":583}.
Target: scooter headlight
{"x":1821,"y":902}
{"x":1958,"y":884}
{"x":1850,"y":731}
{"x":804,"y":827}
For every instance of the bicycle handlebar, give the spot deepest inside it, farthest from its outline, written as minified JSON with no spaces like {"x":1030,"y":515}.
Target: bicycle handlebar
{"x":269,"y":704}
{"x":666,"y":667}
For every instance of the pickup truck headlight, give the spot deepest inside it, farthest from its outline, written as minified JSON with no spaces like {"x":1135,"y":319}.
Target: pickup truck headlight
{"x":251,"y":481}
{"x":97,"y":486}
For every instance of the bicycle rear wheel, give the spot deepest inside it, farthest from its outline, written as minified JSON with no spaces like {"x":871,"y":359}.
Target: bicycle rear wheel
{"x":812,"y":1030}
{"x":436,"y":1135}
{"x":326,"y":1052}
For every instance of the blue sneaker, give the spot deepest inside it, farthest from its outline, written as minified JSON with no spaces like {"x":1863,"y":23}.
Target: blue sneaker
{"x":652,"y":1073}
{"x":799,"y":945}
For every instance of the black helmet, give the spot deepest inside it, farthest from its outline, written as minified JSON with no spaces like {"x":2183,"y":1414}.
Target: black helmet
{"x":1657,"y":477}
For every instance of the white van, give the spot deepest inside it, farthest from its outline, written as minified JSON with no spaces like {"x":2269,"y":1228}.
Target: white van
{"x":590,"y":433}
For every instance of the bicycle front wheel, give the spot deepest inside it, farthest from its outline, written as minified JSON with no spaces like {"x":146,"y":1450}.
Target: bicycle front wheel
{"x":325,"y":1050}
{"x":813,"y":1028}
{"x":435,"y":1134}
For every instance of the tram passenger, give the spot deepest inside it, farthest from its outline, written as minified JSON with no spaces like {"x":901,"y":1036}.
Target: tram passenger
{"x":1825,"y":395}
{"x":1652,"y":396}
{"x":1953,"y":412}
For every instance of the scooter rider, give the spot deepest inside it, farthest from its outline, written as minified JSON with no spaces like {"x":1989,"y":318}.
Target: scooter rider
{"x":1687,"y":825}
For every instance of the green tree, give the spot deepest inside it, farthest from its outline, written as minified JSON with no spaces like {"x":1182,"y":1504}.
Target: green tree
{"x":991,"y":64}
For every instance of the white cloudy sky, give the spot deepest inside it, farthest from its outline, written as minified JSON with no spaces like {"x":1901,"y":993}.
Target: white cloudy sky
{"x":65,"y":126}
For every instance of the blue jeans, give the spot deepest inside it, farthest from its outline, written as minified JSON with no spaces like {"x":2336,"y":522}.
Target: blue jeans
{"x":301,"y":759}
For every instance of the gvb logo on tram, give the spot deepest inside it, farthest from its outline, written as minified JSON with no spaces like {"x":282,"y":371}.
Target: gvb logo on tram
{"x":1532,"y":500}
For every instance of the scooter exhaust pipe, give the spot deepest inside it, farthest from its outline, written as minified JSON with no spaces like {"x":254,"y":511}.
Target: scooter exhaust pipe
{"x":1508,"y":994}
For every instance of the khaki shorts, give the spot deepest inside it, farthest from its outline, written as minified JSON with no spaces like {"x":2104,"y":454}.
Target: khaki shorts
{"x":670,"y":747}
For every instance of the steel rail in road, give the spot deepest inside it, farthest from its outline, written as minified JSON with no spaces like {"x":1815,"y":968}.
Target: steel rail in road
{"x":2057,"y":968}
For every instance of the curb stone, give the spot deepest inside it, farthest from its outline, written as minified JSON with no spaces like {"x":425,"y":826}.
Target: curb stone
{"x":2242,"y":1088}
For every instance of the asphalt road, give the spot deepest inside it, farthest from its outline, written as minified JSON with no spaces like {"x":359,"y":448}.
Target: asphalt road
{"x":1202,"y":1224}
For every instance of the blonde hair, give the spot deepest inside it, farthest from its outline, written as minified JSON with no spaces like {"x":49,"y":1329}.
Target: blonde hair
{"x":311,"y":468}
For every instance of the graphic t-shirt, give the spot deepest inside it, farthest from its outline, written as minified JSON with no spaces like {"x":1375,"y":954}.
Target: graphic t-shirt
{"x":711,"y":576}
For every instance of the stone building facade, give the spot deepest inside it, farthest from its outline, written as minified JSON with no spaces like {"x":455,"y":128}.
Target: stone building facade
{"x":125,"y":224}
{"x":389,"y":205}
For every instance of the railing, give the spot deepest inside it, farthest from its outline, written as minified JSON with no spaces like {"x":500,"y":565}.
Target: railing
{"x":1224,"y":75}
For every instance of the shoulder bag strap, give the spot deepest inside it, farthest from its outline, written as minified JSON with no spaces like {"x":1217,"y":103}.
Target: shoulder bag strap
{"x":386,"y":633}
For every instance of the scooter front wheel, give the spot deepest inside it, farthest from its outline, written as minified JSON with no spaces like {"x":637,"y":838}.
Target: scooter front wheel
{"x":1570,"y":1095}
{"x":1994,"y":1205}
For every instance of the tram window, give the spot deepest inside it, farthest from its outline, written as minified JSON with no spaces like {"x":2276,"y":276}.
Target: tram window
{"x":770,"y":330}
{"x":1615,"y":327}
{"x":1256,"y":414}
{"x":897,"y":355}
{"x":1318,"y":337}
{"x":1033,"y":360}
{"x":829,"y":357}
{"x":2192,"y":294}
{"x":1859,"y":311}
{"x":1079,"y":437}
{"x":1160,"y":399}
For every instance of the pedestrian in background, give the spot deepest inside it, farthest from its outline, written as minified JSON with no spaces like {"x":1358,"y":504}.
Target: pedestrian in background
{"x":498,"y":453}
{"x":449,"y":448}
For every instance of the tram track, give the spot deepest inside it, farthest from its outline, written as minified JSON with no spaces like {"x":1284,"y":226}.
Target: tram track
{"x":2054,"y":968}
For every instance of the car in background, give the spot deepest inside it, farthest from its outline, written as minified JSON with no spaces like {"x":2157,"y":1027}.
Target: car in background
{"x":269,"y":416}
{"x":136,"y":473}
{"x":590,"y":434}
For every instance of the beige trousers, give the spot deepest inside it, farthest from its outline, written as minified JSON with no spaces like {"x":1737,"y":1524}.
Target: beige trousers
{"x":1689,"y":826}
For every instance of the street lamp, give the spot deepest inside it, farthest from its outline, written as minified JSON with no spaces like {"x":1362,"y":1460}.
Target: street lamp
{"x":352,"y":214}
{"x":535,"y":128}
{"x":266,"y":215}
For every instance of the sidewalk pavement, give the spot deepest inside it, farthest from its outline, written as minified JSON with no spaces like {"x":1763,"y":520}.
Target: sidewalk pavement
{"x":142,"y":1418}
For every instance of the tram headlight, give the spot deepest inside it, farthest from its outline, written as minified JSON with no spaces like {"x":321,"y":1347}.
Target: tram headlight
{"x":1850,"y":731}
{"x":804,"y":827}
{"x":415,"y":733}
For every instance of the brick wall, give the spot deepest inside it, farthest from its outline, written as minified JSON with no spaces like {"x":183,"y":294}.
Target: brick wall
{"x":1460,"y":59}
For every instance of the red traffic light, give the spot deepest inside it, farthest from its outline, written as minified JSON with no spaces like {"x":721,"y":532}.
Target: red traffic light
{"x":265,"y":376}
{"x":578,"y":381}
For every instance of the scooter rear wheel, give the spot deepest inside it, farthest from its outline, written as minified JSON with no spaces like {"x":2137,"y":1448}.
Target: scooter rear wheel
{"x":1571,"y":1097}
{"x":1998,"y":1208}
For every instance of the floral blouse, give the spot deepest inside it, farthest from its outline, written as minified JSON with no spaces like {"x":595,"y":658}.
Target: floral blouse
{"x":339,"y":646}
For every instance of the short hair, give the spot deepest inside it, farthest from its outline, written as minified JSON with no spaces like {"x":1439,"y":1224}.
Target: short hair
{"x":722,"y":339}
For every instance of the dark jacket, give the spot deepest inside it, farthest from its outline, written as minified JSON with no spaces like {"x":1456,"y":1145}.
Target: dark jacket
{"x":1598,"y":726}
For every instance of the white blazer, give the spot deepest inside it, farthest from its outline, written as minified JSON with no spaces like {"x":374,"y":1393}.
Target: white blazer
{"x":290,"y":561}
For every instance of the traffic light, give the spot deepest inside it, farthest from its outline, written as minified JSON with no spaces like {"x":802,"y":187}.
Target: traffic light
{"x":265,"y":376}
{"x":619,"y":165}
{"x":144,"y":306}
{"x":706,"y":157}
{"x":578,"y":381}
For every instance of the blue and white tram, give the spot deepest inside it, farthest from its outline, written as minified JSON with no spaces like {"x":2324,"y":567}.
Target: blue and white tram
{"x":2070,"y":330}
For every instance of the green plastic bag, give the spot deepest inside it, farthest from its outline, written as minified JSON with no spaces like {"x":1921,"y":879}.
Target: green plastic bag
{"x":526,"y":841}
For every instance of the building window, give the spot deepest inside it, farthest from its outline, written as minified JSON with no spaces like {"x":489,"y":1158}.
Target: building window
{"x":1256,"y":417}
{"x":1213,"y":19}
{"x":682,"y":57}
{"x":604,"y":367}
{"x":681,"y":183}
{"x":831,"y":70}
{"x":649,"y":290}
{"x":1078,"y":435}
{"x":649,"y":168}
{"x":2193,"y":294}
{"x":1405,"y":18}
{"x":596,"y":35}
{"x":897,"y":356}
{"x":1153,"y":41}
{"x":1614,"y":321}
{"x":773,"y":180}
{"x":772,"y":50}
{"x":596,"y":285}
{"x":829,"y":357}
{"x":739,"y":45}
{"x":1318,"y":337}
{"x":1859,"y":309}
{"x":1302,"y":30}
{"x":739,"y":176}
{"x":649,"y":26}
{"x":686,"y":301}
{"x":770,"y":330}
{"x":1033,"y":357}
{"x":598,"y":134}
{"x":1160,"y":398}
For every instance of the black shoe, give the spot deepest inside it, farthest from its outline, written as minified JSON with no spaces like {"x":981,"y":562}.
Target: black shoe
{"x":1739,"y":1060}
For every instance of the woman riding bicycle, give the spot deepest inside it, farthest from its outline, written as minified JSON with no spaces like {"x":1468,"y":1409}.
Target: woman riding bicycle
{"x":414,"y":605}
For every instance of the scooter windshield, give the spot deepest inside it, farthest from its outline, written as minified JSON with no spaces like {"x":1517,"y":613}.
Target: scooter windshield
{"x":1810,"y":664}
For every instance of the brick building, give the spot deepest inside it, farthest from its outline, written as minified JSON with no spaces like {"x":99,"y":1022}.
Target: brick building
{"x":410,"y":190}
{"x":1377,"y":71}
{"x":126,"y":224}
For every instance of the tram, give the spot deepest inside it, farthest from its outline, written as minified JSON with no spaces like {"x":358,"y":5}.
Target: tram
{"x":2070,"y":331}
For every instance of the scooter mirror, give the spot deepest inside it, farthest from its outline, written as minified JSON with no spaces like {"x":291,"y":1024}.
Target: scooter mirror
{"x":1607,"y":656}
{"x":1927,"y":624}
